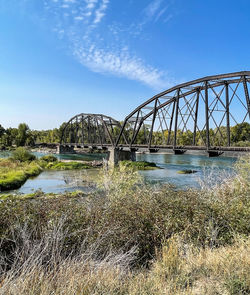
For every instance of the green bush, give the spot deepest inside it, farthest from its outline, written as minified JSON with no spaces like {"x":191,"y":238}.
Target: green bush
{"x":138,"y":165}
{"x":22,"y":155}
{"x":67,"y":166}
{"x":49,"y":158}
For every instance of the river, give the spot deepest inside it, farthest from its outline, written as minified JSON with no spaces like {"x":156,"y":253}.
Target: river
{"x":209,"y":170}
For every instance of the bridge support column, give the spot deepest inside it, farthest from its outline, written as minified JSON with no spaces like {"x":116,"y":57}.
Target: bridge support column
{"x":179,"y":151}
{"x":214,"y":153}
{"x":65,"y":149}
{"x":115,"y":155}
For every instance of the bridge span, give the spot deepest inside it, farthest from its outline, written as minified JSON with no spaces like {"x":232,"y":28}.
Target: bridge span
{"x":206,"y":114}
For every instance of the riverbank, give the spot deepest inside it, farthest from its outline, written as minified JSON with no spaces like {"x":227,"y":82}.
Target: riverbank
{"x":22,"y":165}
{"x":15,"y":170}
{"x":129,"y":238}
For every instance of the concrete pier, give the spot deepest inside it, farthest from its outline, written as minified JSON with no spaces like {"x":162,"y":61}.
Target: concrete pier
{"x":115,"y":155}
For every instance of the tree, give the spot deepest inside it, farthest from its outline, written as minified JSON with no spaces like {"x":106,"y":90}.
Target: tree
{"x":22,"y":135}
{"x":2,"y":130}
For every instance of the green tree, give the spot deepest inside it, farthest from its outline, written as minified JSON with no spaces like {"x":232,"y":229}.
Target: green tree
{"x":22,"y":135}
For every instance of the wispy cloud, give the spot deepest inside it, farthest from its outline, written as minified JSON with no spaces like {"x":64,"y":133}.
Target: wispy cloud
{"x":152,"y":8}
{"x":78,"y":21}
{"x":100,"y":12}
{"x":122,"y":64}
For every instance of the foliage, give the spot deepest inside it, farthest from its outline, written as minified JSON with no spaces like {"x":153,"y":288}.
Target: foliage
{"x":22,"y":135}
{"x":67,"y":166}
{"x":22,"y":155}
{"x":49,"y":158}
{"x":128,"y":214}
{"x":139,"y":165}
{"x":187,"y":171}
{"x":127,"y":238}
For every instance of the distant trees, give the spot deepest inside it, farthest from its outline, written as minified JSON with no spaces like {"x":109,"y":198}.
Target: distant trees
{"x":23,"y":136}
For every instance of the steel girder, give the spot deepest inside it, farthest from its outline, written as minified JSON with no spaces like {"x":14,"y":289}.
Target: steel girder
{"x":91,"y":130}
{"x":200,"y":113}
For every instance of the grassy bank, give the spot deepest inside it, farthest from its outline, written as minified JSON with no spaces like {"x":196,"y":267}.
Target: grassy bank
{"x":13,"y":174}
{"x":129,"y":238}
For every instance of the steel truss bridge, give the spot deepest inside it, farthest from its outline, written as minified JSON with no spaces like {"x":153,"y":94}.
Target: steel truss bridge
{"x":202,"y":114}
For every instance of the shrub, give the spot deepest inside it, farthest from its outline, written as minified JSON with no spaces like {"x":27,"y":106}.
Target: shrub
{"x":22,"y":155}
{"x":67,"y":166}
{"x":49,"y":158}
{"x":139,"y":165}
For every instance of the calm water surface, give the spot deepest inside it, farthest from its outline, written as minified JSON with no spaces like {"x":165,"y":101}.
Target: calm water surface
{"x":208,"y":169}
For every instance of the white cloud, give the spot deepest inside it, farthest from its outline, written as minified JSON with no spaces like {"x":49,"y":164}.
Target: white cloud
{"x":121,"y":64}
{"x":81,"y":30}
{"x":152,"y":8}
{"x":100,"y":12}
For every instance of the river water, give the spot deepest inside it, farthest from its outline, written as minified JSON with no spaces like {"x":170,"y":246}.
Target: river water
{"x":209,"y":170}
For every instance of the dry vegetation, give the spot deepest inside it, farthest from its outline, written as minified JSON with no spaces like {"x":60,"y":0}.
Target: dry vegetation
{"x":129,"y":238}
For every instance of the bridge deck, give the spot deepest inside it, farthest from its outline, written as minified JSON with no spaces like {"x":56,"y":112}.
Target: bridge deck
{"x":162,"y":147}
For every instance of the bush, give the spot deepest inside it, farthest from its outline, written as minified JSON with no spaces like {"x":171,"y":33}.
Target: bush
{"x":139,"y":165}
{"x":22,"y":155}
{"x":67,"y":166}
{"x":49,"y":158}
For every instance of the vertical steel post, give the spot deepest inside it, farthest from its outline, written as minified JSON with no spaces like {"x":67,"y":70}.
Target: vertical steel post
{"x":176,"y":117}
{"x":88,"y":130}
{"x":246,"y":94}
{"x":82,"y":131}
{"x":70,"y":134}
{"x":152,"y":126}
{"x":136,"y":133}
{"x":76,"y":136}
{"x":196,"y":114}
{"x":207,"y":116}
{"x":135,"y":125}
{"x":227,"y":113}
{"x":171,"y":122}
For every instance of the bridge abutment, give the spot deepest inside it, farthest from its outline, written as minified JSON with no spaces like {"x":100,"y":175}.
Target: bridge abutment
{"x":65,"y":149}
{"x":115,"y":155}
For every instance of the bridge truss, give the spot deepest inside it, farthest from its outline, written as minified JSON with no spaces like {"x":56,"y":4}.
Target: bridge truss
{"x":90,"y":130}
{"x":199,"y":114}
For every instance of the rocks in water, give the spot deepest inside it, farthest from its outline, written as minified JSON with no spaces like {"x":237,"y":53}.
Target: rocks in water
{"x":187,"y":171}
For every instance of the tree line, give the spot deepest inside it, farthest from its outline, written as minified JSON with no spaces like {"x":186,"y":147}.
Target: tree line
{"x":24,"y":136}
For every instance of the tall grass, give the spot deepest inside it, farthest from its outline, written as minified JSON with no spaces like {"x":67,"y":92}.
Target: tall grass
{"x":179,"y":268}
{"x":14,"y":173}
{"x":129,"y":238}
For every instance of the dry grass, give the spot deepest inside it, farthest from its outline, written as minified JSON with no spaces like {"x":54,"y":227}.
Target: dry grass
{"x":179,"y":269}
{"x":129,"y":239}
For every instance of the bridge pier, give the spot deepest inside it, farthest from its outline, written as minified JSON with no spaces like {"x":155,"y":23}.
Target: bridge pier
{"x":115,"y":155}
{"x":179,"y":151}
{"x":65,"y":149}
{"x":214,"y":153}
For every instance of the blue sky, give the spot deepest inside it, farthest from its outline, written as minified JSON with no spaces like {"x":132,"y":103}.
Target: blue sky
{"x":63,"y":57}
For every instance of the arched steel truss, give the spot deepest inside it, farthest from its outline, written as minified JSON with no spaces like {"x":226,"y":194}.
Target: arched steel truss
{"x":198,"y":113}
{"x":91,"y":130}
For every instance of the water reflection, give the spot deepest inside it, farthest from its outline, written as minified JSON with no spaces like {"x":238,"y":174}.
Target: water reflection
{"x":60,"y":181}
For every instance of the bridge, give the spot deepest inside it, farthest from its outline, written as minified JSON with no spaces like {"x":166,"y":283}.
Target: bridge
{"x":202,"y":114}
